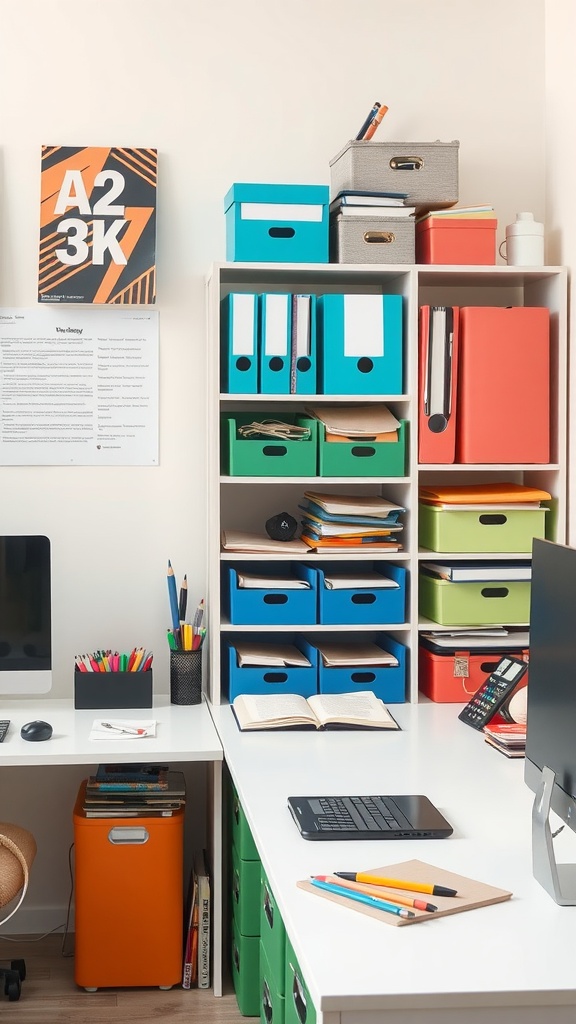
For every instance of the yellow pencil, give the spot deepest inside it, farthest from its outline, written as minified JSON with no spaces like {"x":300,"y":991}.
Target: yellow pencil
{"x":395,"y":883}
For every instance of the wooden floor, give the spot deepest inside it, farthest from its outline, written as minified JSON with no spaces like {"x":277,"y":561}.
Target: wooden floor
{"x":50,"y":996}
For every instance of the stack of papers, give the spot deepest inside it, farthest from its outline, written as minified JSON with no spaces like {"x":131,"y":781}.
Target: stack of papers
{"x":340,"y":655}
{"x":464,"y":212}
{"x":121,"y":729}
{"x":481,"y":572}
{"x":278,"y":655}
{"x":371,"y":204}
{"x":342,"y":521}
{"x":357,"y":423}
{"x":479,"y":497}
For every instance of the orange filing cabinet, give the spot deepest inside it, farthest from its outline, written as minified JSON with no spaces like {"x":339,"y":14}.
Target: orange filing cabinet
{"x":128,"y":900}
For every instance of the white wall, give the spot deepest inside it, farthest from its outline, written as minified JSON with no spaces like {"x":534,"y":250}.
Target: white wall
{"x":227,"y":91}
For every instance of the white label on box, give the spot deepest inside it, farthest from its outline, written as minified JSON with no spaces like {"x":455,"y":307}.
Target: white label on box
{"x":281,"y":211}
{"x":363,"y":325}
{"x":276,"y":325}
{"x":243,"y":310}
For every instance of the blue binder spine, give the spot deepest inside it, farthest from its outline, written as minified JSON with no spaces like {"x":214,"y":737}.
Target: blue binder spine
{"x":275,"y":344}
{"x":240,"y":343}
{"x":361,"y":344}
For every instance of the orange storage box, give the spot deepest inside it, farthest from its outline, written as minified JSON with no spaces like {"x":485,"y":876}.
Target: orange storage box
{"x":128,"y":900}
{"x":456,"y":240}
{"x":451,"y":677}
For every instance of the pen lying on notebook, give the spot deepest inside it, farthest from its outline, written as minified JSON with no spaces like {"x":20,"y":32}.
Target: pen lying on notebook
{"x":123,"y":728}
{"x":405,"y":901}
{"x":394,"y":883}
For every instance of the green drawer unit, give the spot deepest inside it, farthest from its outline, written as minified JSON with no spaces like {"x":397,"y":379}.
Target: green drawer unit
{"x":272,"y":934}
{"x":240,"y":834}
{"x":272,"y":1002}
{"x":245,"y":969}
{"x":298,"y":1005}
{"x":268,"y":457}
{"x":474,"y":604}
{"x":245,"y":895}
{"x":455,"y":531}
{"x":362,"y":458}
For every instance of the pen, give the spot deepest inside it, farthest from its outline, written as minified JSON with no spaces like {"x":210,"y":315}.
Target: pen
{"x":171,"y":640}
{"x":183,"y":600}
{"x":123,"y":728}
{"x":378,"y":116}
{"x":394,"y":883}
{"x":360,"y":897}
{"x":368,"y":121}
{"x":405,"y":901}
{"x":173,"y":596}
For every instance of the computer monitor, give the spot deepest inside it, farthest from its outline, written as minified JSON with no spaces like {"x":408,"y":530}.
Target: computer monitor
{"x":550,"y":766}
{"x":25,"y":615}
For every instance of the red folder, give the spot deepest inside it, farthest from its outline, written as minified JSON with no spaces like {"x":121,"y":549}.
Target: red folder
{"x":438,"y":371}
{"x":504,"y":385}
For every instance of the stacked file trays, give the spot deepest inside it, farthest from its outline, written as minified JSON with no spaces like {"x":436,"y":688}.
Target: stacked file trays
{"x":279,"y":665}
{"x":343,"y":522}
{"x":360,"y":440}
{"x":475,"y":593}
{"x":345,"y":667}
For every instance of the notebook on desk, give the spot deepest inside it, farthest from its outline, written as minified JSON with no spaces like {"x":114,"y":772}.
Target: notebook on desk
{"x":368,"y":817}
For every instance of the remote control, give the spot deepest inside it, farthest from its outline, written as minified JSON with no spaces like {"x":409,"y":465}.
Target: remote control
{"x":493,"y":692}
{"x":4,"y":726}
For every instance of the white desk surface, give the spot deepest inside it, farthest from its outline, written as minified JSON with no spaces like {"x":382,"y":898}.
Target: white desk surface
{"x":519,"y":953}
{"x":183,"y":733}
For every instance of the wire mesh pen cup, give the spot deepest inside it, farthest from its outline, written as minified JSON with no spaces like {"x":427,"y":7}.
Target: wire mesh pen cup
{"x":186,"y":677}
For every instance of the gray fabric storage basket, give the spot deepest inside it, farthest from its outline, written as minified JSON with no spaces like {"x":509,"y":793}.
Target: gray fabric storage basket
{"x":372,"y":239}
{"x":427,"y":171}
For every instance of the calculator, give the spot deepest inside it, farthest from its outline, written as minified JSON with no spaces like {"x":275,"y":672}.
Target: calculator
{"x":494,"y":692}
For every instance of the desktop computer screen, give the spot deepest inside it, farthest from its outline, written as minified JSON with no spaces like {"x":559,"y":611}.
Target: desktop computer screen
{"x":25,"y":615}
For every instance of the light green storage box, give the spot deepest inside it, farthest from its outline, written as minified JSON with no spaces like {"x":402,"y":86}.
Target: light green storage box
{"x":474,"y":604}
{"x":361,"y":458}
{"x":272,"y":1002}
{"x":240,"y":833}
{"x":245,"y":883}
{"x":267,"y":457}
{"x":245,"y":969}
{"x":272,"y":935}
{"x":499,"y":531}
{"x":298,"y":1005}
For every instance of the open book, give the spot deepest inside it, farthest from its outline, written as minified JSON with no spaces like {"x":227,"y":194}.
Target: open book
{"x":361,"y":710}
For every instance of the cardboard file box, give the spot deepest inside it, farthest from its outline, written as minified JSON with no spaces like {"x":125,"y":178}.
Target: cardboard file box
{"x":499,"y":531}
{"x":245,"y":885}
{"x":245,"y":966}
{"x":360,"y":606}
{"x":504,"y":385}
{"x":272,"y":935}
{"x":478,"y":604}
{"x":269,"y":223}
{"x":362,"y":458}
{"x":272,"y":1002}
{"x":246,"y":457}
{"x":270,"y":606}
{"x":388,"y":683}
{"x":240,"y":834}
{"x":123,"y":936}
{"x":360,"y":344}
{"x":427,"y":171}
{"x":113,"y":689}
{"x":276,"y":680}
{"x":450,"y":677}
{"x":299,"y":1007}
{"x":379,"y":240}
{"x":454,"y":240}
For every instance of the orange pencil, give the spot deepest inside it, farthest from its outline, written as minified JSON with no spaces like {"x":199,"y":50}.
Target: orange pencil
{"x":374,"y":890}
{"x":378,"y":116}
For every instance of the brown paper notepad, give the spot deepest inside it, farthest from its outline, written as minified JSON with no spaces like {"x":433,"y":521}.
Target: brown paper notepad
{"x":471,"y":894}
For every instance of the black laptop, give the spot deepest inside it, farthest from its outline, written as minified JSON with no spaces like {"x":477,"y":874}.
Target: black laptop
{"x":368,"y":817}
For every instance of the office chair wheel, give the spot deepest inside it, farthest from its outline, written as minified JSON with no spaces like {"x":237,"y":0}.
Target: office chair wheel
{"x":90,"y":988}
{"x":20,"y":966}
{"x":12,"y":985}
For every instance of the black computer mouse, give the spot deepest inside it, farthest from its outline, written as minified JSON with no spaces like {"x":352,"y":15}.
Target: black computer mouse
{"x":36,"y":731}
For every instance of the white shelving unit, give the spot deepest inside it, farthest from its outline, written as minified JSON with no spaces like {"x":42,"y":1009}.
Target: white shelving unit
{"x":246,"y":502}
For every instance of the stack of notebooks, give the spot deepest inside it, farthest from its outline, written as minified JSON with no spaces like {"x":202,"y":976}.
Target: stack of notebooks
{"x":350,"y":522}
{"x":134,"y":791}
{"x":507,"y":737}
{"x":460,"y":212}
{"x":384,"y":205}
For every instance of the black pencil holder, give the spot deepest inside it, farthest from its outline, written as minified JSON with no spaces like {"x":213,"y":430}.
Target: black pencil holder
{"x":103,"y":690}
{"x":185,"y":677}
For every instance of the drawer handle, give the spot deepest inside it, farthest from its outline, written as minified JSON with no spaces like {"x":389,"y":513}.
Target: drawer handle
{"x":299,"y":998}
{"x":380,"y":237}
{"x":275,"y":598}
{"x":236,"y":957}
{"x":363,"y":677}
{"x":127,"y":835}
{"x":406,"y":163}
{"x":266,"y":1002}
{"x":495,"y":591}
{"x":363,"y":453}
{"x":269,"y":450}
{"x":281,"y":232}
{"x":493,"y":519}
{"x":363,"y":598}
{"x":275,"y":677}
{"x":236,"y":887}
{"x":268,"y":908}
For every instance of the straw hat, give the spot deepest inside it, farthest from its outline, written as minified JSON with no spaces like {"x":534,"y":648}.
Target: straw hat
{"x":17,"y":852}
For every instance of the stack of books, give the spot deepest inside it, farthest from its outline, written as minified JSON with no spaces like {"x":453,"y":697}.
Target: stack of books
{"x":507,"y":737}
{"x":350,"y":522}
{"x":134,"y":791}
{"x":385,"y":205}
{"x":462,"y":212}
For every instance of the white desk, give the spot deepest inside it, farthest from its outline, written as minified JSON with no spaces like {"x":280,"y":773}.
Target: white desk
{"x":183,"y":734}
{"x":511,"y":963}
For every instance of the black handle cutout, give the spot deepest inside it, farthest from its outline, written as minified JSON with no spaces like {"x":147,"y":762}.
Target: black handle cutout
{"x":281,"y":232}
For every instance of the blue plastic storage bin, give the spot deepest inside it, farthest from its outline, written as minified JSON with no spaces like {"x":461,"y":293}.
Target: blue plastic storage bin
{"x":360,"y":344}
{"x":360,"y":606}
{"x":277,"y":223}
{"x":389,"y":684}
{"x":270,"y":606}
{"x":259,"y":679}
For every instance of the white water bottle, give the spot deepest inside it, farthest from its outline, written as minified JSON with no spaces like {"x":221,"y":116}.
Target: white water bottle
{"x":525,"y":242}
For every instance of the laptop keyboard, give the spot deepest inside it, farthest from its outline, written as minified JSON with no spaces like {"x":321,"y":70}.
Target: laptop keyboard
{"x":356,"y":814}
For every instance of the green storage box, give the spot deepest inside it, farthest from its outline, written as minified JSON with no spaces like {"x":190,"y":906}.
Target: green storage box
{"x":245,"y":884}
{"x":450,"y":530}
{"x":474,"y":604}
{"x":267,"y":457}
{"x":298,"y":1005}
{"x":245,"y":969}
{"x":272,"y":934}
{"x":362,"y":458}
{"x":272,"y":1002}
{"x":240,"y":834}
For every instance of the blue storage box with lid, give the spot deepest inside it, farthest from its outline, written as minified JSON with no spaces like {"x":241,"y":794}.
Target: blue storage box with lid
{"x":270,"y":679}
{"x":360,"y":605}
{"x":277,"y":223}
{"x":388,"y":682}
{"x":269,"y":605}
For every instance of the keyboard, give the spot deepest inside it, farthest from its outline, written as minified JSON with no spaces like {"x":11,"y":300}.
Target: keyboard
{"x":355,"y":813}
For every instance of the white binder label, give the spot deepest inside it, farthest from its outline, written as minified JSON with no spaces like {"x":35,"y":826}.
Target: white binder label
{"x":281,"y":211}
{"x":276,"y":325}
{"x":363,"y":325}
{"x":243,"y":309}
